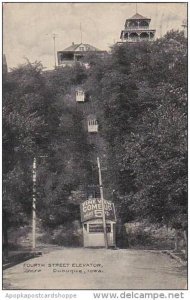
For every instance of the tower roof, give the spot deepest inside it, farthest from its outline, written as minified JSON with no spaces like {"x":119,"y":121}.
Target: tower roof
{"x":138,"y":17}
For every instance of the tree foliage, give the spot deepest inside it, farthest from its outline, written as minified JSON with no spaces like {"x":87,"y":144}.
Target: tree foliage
{"x":39,"y":123}
{"x":28,"y":118}
{"x":144,"y":98}
{"x":140,"y":94}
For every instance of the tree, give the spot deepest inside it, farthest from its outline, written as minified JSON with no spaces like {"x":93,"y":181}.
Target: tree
{"x":39,"y":121}
{"x":144,"y":100}
{"x":28,"y":119}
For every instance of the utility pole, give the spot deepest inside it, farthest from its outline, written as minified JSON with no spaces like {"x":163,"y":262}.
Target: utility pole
{"x":54,"y":37}
{"x":80,"y":33}
{"x":34,"y":175}
{"x":184,"y":25}
{"x":34,"y":204}
{"x":161,"y":25}
{"x":102,"y":201}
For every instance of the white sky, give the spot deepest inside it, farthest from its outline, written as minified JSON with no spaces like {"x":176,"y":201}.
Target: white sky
{"x":28,"y":27}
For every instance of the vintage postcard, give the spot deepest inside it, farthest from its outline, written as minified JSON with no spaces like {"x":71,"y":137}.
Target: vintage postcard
{"x":94,"y":161}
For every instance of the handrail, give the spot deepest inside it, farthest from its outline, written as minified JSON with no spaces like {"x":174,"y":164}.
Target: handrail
{"x":137,"y":27}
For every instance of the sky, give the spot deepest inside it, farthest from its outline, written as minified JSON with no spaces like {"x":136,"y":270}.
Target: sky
{"x":28,"y":27}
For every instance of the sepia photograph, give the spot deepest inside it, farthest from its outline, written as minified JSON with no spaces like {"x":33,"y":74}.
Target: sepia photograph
{"x":94,"y":147}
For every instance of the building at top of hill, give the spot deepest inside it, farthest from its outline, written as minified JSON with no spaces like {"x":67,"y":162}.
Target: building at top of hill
{"x":137,"y":29}
{"x":76,"y":53}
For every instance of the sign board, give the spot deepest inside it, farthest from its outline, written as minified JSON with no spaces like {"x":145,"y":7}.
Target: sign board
{"x":92,"y":209}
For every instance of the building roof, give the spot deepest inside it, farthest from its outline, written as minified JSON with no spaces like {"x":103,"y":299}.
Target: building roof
{"x":74,"y":47}
{"x":138,"y":17}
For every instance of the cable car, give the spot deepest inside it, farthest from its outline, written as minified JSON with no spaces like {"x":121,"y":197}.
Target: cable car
{"x":92,"y":125}
{"x":80,"y":95}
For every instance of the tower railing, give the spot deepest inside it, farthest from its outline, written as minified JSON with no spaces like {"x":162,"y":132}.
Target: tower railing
{"x":137,"y":39}
{"x":137,"y":28}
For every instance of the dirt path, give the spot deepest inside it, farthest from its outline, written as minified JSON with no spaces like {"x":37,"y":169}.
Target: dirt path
{"x":97,"y":269}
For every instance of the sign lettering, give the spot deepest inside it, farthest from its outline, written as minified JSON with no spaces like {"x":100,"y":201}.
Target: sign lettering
{"x":92,"y":209}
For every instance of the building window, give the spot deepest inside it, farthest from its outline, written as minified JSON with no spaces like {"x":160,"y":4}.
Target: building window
{"x":81,"y":48}
{"x":80,"y":93}
{"x":95,"y":228}
{"x":144,"y":35}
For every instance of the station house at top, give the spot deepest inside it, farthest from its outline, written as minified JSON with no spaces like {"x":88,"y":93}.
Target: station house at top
{"x":76,"y":53}
{"x":137,"y":29}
